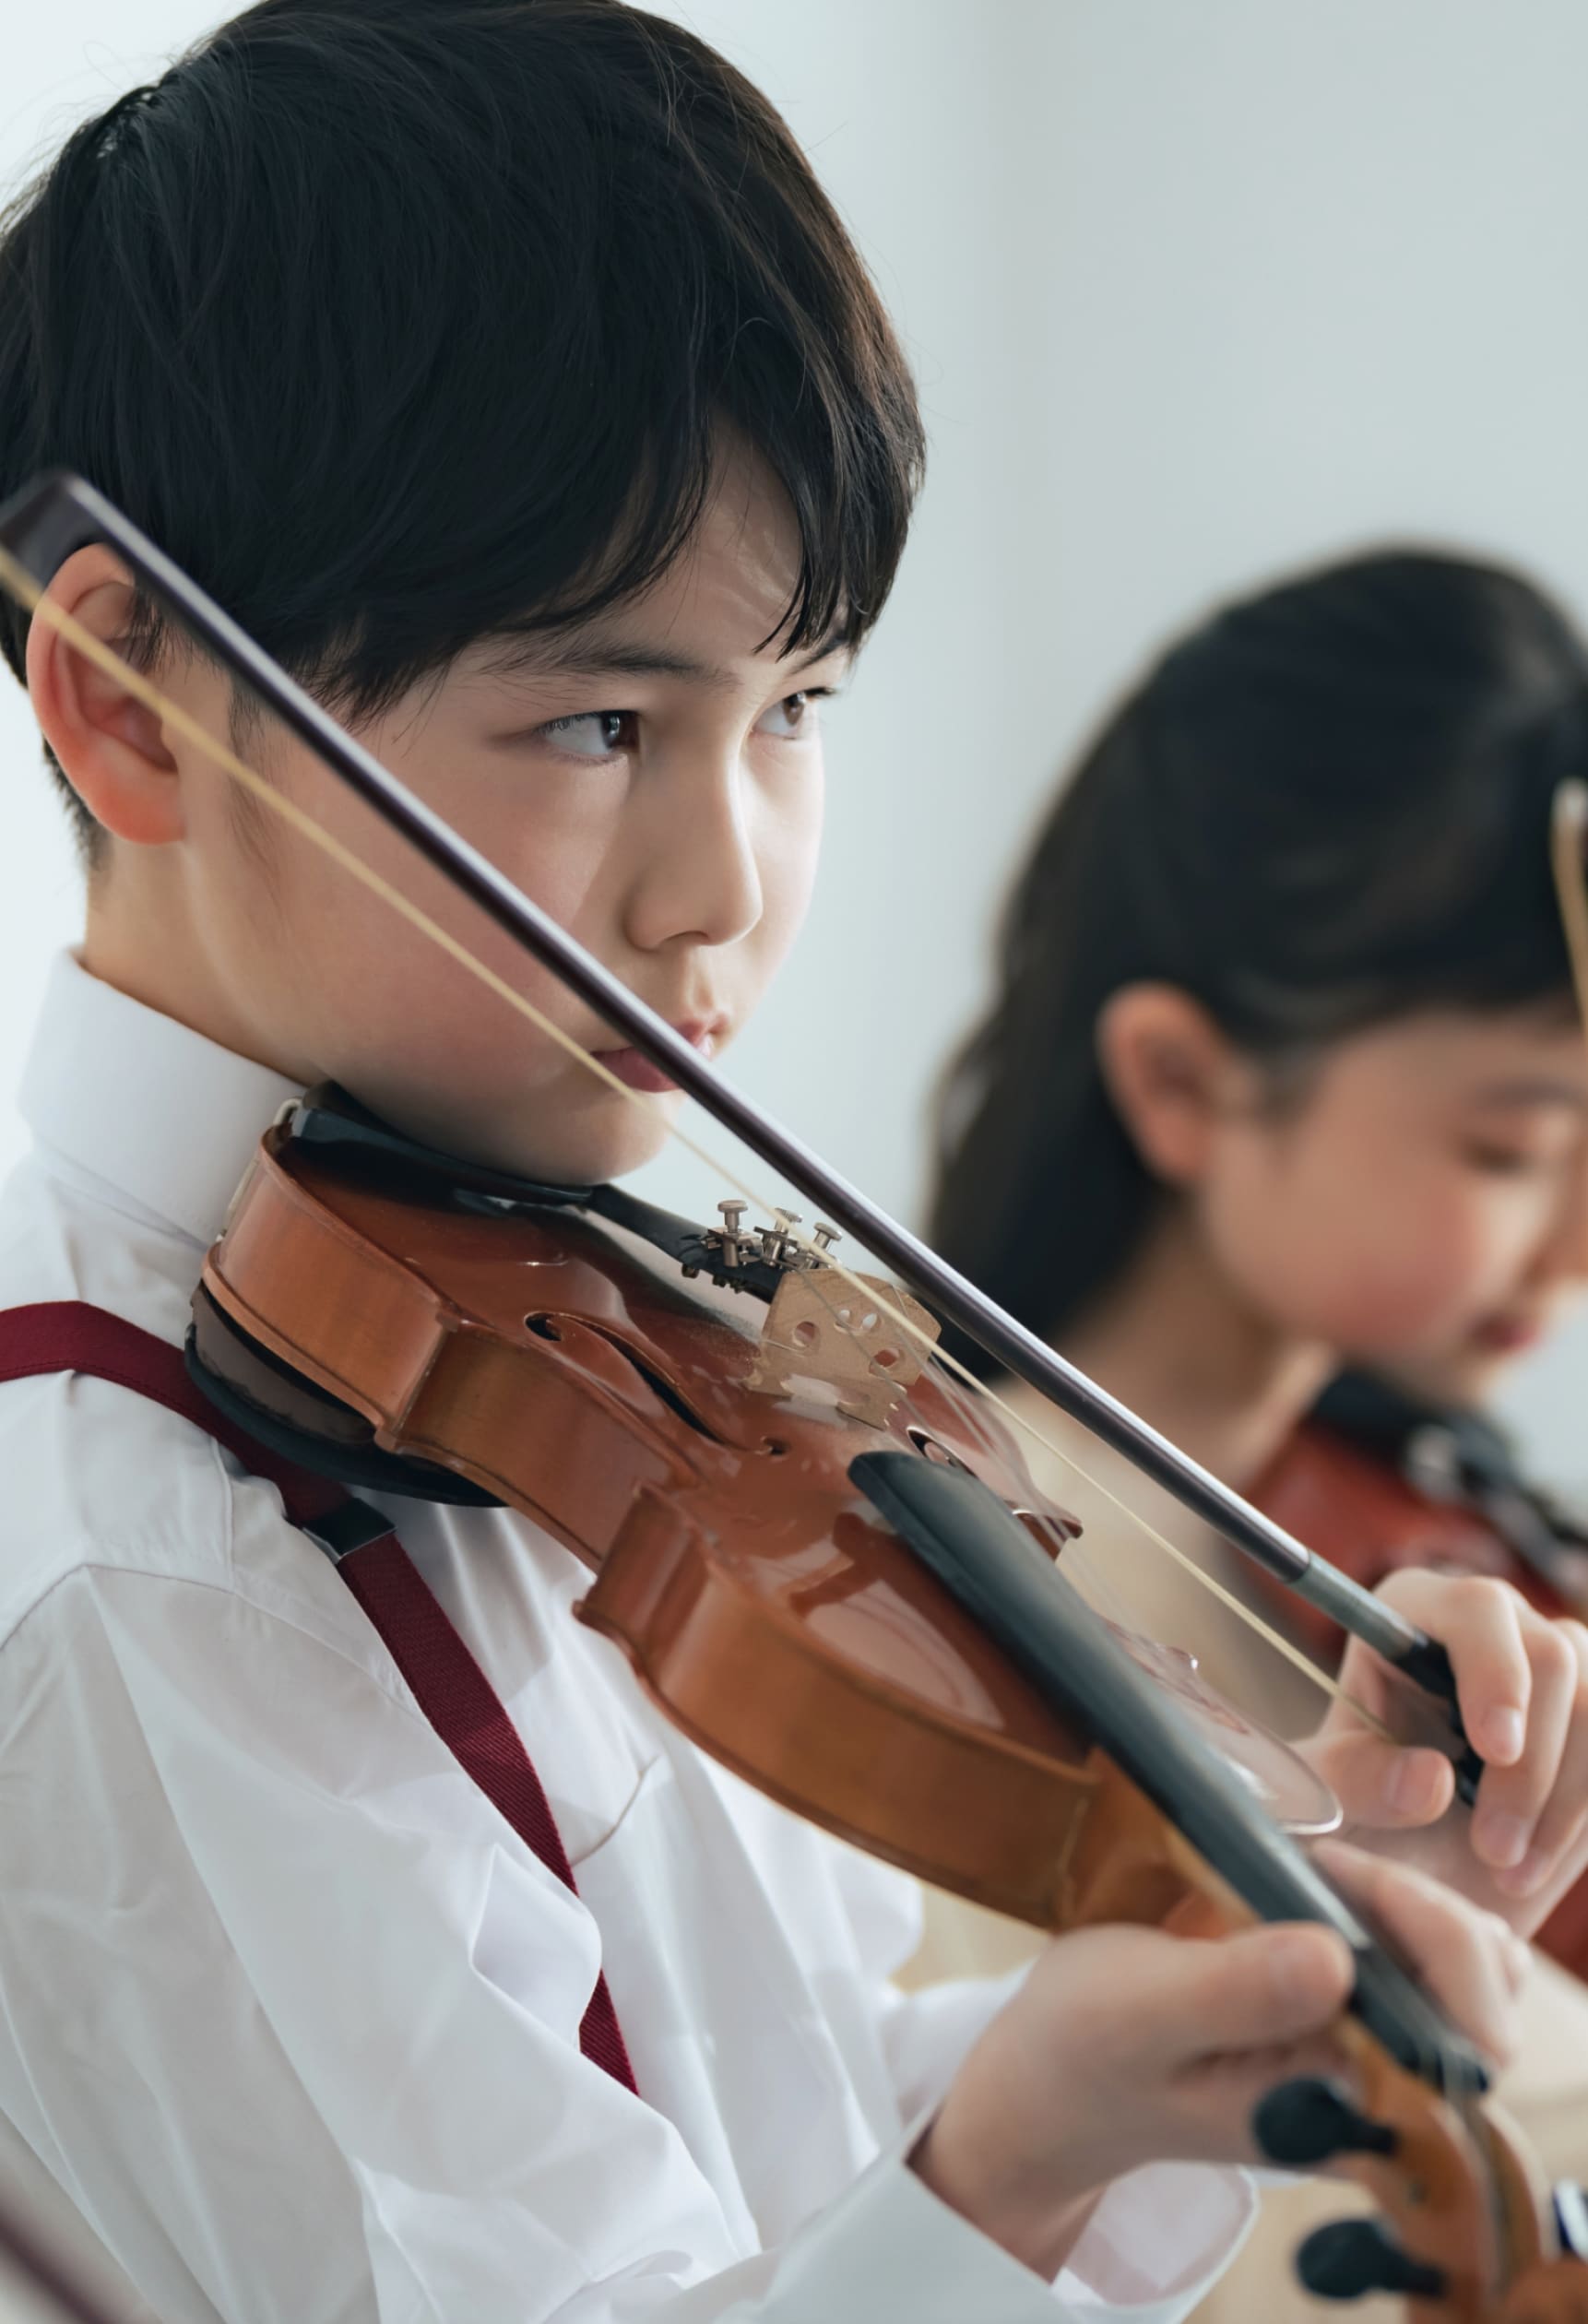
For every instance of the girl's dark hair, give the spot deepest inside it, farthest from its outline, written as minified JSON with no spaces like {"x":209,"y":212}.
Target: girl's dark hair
{"x":1327,"y":807}
{"x":402,"y":322}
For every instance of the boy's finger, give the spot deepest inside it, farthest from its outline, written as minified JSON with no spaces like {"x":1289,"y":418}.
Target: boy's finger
{"x":1471,"y":1960}
{"x":1559,"y":1826}
{"x":1553,"y":1863}
{"x":1384,"y":1785}
{"x":1511,"y":1799}
{"x":1257,"y":1990}
{"x":1479,"y":1623}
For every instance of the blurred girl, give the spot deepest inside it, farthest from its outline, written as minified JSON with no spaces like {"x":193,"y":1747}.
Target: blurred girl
{"x":1283,"y":1056}
{"x":1284,"y":1061}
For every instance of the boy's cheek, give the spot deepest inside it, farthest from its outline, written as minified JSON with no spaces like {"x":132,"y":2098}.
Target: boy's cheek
{"x":789,"y":885}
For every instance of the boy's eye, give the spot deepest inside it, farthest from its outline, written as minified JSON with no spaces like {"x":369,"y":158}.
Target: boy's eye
{"x":1497,"y":1161}
{"x":594,"y":734}
{"x":795,"y":717}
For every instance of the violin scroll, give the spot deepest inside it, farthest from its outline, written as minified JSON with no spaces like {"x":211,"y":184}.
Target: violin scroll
{"x":1515,"y":2258}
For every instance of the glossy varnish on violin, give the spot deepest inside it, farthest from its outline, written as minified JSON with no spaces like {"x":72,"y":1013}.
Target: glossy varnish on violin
{"x":539,"y":1357}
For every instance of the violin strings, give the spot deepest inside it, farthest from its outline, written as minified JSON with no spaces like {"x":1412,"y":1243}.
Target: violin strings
{"x":965,"y":1390}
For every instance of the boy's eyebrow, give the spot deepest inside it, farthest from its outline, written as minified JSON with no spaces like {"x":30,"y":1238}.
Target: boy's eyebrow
{"x":586,"y":653}
{"x":1536,"y":1089}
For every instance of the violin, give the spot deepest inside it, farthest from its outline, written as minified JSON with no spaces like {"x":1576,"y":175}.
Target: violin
{"x":1377,"y":1478}
{"x":826,"y":1562}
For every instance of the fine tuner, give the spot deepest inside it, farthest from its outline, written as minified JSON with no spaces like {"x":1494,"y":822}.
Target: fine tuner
{"x":773,"y":1245}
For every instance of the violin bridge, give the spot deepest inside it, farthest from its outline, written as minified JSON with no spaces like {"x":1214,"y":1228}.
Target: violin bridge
{"x":820,"y":1327}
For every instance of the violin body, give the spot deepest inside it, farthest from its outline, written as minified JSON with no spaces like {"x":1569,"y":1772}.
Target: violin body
{"x":535,"y":1357}
{"x":769,"y":1612}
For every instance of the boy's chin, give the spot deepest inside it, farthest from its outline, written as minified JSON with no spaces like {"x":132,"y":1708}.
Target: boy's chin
{"x":590,"y":1153}
{"x":542,"y":1143}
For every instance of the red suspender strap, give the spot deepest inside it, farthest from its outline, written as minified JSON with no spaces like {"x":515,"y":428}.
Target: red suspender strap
{"x":448,"y":1683}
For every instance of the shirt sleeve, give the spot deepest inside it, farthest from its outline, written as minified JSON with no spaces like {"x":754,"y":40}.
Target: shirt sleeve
{"x":290,"y":2013}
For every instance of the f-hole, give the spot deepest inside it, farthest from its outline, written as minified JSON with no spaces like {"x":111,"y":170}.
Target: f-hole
{"x":545,"y":1327}
{"x":928,"y":1446}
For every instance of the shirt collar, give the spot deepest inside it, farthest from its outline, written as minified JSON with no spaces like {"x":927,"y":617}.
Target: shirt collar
{"x":156,"y":1111}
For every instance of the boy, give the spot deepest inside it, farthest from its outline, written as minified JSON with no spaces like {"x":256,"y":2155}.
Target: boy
{"x":498,"y":364}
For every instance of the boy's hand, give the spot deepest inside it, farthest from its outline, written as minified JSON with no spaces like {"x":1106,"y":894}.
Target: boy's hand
{"x":1126,"y":2045}
{"x":1522,"y":1687}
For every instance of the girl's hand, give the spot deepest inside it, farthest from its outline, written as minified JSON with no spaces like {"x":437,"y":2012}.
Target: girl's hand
{"x":1522,"y":1687}
{"x":1127,"y":2045}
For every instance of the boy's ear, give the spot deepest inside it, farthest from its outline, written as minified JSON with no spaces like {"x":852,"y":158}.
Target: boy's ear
{"x":1168,"y":1069}
{"x":110,"y":746}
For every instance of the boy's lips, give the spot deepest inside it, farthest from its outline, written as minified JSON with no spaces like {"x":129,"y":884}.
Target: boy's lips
{"x":637,"y":1071}
{"x":1508,"y":1335}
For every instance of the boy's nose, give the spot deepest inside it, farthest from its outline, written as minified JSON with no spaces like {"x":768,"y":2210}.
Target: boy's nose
{"x":697,"y":878}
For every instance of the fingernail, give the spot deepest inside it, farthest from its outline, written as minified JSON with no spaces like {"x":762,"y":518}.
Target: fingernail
{"x":1499,"y":1840}
{"x":1521,"y":1880}
{"x":1407,"y":1790}
{"x":1505,"y":1732}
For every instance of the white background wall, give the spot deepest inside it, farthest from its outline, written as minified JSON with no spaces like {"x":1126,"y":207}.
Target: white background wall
{"x":1194,"y":291}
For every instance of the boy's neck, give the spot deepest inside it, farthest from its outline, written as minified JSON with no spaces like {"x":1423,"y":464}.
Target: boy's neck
{"x":166,"y":973}
{"x":1170,"y":1339}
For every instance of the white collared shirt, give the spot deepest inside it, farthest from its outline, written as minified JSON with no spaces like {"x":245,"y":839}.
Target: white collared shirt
{"x":286,"y":2008}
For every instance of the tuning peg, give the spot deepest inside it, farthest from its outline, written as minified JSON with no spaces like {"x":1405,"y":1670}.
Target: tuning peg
{"x":1305,"y":2122}
{"x":1571,"y":2219}
{"x":1354,"y":2256}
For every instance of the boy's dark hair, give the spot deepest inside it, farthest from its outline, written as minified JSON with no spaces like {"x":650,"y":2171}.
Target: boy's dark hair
{"x":403,"y":323}
{"x":1326,"y":807}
